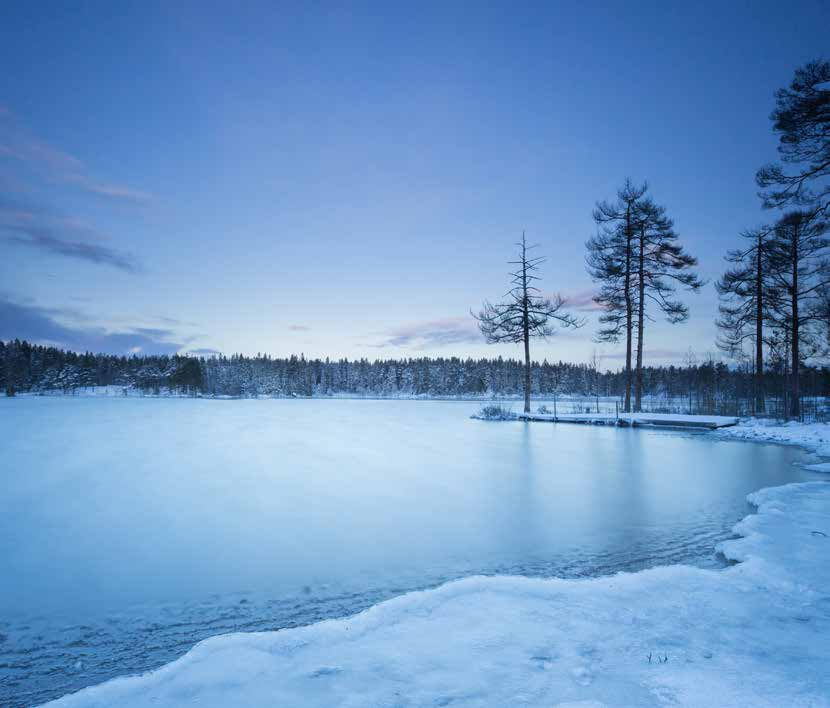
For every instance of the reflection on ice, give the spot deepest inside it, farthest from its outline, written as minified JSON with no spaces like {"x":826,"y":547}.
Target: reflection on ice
{"x":132,"y":528}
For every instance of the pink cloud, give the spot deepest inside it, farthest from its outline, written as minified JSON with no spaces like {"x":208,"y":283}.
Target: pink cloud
{"x":652,"y":354}
{"x":115,"y":191}
{"x":581,"y":300}
{"x":420,"y":335}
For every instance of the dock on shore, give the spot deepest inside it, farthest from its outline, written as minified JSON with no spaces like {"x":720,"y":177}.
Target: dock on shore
{"x":636,"y":420}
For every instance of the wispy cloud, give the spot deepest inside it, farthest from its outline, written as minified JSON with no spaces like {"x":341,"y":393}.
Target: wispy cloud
{"x":671,"y":354}
{"x":298,"y":328}
{"x":175,"y":321}
{"x":153,"y":332}
{"x":90,"y":252}
{"x":18,"y":143}
{"x":15,"y":143}
{"x":580,"y":300}
{"x":432,"y":333}
{"x":48,"y":326}
{"x":36,"y":227}
{"x":113,"y":191}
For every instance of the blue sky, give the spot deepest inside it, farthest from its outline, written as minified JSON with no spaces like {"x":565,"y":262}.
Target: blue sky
{"x":348,"y":179}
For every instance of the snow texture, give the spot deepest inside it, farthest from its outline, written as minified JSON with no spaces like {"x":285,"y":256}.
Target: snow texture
{"x":812,"y":436}
{"x":754,"y":634}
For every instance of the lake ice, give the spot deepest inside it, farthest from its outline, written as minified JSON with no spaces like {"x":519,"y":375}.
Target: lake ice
{"x":132,"y":528}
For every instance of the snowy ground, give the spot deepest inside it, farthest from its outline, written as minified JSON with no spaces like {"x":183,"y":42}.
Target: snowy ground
{"x":754,"y":634}
{"x":812,"y":436}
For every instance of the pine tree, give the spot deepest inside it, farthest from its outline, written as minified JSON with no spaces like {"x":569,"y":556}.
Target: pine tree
{"x":743,"y":304}
{"x":800,"y":270}
{"x":802,"y":120}
{"x":610,"y":262}
{"x":662,"y":265}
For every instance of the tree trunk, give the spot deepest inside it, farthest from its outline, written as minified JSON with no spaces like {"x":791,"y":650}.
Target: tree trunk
{"x":527,"y":372}
{"x":638,"y":390}
{"x":525,"y":327}
{"x":785,"y":408}
{"x":760,"y":404}
{"x":628,"y":312}
{"x":794,"y":365}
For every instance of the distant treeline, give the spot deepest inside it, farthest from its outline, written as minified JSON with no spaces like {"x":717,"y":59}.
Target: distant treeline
{"x":710,"y":385}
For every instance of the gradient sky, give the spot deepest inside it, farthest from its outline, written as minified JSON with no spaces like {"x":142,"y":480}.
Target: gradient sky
{"x":348,"y":179}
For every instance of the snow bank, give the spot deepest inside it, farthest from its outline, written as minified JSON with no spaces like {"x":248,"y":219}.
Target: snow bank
{"x":754,"y":634}
{"x":812,"y":436}
{"x":111,"y":391}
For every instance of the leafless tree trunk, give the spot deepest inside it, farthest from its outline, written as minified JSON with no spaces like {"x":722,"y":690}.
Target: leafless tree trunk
{"x":760,"y":401}
{"x":524,"y":314}
{"x":794,"y":297}
{"x":629,"y":309}
{"x":641,"y":316}
{"x":525,"y":325}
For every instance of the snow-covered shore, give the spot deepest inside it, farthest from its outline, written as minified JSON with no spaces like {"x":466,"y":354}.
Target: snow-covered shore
{"x":756,"y":633}
{"x":814,"y":437}
{"x":119,"y":391}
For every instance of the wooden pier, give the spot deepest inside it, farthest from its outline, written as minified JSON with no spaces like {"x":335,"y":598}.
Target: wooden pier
{"x":636,"y":420}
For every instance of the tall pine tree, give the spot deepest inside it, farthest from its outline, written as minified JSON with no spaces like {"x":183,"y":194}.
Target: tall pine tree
{"x":611,"y":263}
{"x":662,"y":265}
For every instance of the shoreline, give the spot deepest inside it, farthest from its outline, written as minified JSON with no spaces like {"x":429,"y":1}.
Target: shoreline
{"x":118,"y":392}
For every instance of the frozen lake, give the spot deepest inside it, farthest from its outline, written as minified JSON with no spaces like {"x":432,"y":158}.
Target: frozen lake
{"x":132,"y":528}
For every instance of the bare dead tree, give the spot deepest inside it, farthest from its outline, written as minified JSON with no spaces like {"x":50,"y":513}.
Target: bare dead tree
{"x":594,"y":372}
{"x":524,"y":312}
